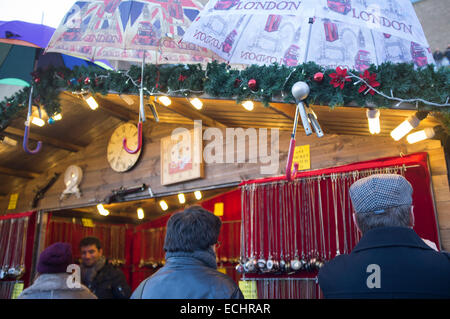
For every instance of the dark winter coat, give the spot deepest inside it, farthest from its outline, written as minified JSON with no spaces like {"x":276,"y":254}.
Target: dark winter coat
{"x":188,"y":276}
{"x":54,"y":286}
{"x":110,"y":283}
{"x":407,"y":268}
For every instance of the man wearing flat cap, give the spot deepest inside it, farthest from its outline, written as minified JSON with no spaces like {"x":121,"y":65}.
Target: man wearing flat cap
{"x":390,"y":260}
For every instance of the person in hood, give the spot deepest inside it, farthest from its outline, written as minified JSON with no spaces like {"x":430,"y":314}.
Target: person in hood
{"x":53,"y":281}
{"x":190,"y":270}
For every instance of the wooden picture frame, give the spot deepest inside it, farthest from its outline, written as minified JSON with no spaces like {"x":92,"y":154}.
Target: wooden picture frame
{"x":181,"y":156}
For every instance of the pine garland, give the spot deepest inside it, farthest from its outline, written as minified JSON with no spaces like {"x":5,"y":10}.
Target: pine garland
{"x":219,"y":80}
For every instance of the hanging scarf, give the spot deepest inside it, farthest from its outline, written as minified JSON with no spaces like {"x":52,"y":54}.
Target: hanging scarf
{"x":208,"y":257}
{"x":88,"y":273}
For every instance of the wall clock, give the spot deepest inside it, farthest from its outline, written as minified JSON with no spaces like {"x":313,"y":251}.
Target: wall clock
{"x":118,"y":158}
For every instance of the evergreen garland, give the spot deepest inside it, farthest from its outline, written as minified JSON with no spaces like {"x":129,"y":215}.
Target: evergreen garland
{"x":219,"y":80}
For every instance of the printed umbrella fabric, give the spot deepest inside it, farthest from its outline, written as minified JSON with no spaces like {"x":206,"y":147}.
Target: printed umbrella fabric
{"x":124,"y":30}
{"x":20,"y":47}
{"x":346,"y":33}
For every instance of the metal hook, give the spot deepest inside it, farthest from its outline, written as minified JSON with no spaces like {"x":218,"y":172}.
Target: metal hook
{"x":139,"y":141}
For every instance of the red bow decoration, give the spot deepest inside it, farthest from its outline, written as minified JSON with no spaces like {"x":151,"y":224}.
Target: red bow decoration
{"x":371,"y":80}
{"x":181,"y":78}
{"x":339,"y":78}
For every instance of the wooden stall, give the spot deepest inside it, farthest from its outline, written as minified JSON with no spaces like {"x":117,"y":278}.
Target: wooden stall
{"x":81,"y":138}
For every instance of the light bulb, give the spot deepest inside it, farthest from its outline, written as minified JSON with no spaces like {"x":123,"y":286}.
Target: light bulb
{"x":420,"y":135}
{"x":404,"y":128}
{"x":373,"y":117}
{"x":196,"y":103}
{"x":57,"y":117}
{"x":163,"y":205}
{"x":248,"y":105}
{"x":165,"y":100}
{"x":91,"y":102}
{"x":181,"y":198}
{"x":198,"y":195}
{"x":407,"y":125}
{"x":140,"y":213}
{"x":102,"y":211}
{"x":37,"y":121}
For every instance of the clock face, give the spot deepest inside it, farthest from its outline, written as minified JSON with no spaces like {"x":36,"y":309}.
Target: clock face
{"x":119,"y":159}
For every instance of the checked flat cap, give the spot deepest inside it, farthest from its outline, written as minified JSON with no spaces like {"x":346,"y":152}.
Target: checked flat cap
{"x":380,"y":191}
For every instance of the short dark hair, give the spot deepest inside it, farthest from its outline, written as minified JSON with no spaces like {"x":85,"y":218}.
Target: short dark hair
{"x":399,"y":216}
{"x":193,"y":229}
{"x":88,"y":241}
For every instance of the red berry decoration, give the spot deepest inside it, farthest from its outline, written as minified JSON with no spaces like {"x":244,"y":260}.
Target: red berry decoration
{"x":87,"y":80}
{"x":237,"y":82}
{"x":253,"y":85}
{"x":37,"y":80}
{"x":318,"y":77}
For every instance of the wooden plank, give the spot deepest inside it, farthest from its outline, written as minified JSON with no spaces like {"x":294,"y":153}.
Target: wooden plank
{"x":445,"y":239}
{"x":440,"y":187}
{"x":45,"y":139}
{"x":18,"y":173}
{"x":443,"y":209}
{"x":189,"y":112}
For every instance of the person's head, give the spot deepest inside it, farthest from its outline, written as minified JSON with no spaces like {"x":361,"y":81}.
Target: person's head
{"x":193,"y":229}
{"x":55,"y":259}
{"x":382,"y":200}
{"x":91,"y":250}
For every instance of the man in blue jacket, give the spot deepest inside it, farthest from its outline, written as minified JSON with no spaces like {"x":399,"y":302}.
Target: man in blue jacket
{"x":390,"y":260}
{"x":190,"y":269}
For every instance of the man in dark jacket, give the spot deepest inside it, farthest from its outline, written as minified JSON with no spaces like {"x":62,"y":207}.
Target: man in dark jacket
{"x":190,"y":269}
{"x":102,"y":278}
{"x":390,"y":260}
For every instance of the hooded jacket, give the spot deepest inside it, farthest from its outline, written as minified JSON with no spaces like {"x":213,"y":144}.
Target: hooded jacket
{"x":54,"y":286}
{"x":188,"y":275}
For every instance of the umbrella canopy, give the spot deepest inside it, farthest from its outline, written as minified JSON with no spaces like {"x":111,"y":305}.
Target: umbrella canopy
{"x":124,"y":30}
{"x":346,"y":33}
{"x":21,"y":46}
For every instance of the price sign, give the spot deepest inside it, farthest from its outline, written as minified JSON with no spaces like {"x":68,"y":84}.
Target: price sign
{"x":302,"y":157}
{"x":248,"y":288}
{"x":13,"y":201}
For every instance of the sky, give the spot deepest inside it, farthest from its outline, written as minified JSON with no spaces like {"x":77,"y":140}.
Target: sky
{"x":48,"y":12}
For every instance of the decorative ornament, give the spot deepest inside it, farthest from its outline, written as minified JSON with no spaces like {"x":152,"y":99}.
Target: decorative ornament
{"x":73,"y":81}
{"x":371,"y":80}
{"x":253,"y":85}
{"x":318,"y":77}
{"x":87,"y":80}
{"x":181,"y":78}
{"x":51,"y":121}
{"x":237,"y":82}
{"x":339,"y":78}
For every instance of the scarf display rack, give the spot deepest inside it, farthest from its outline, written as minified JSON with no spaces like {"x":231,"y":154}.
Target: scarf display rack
{"x":287,"y":288}
{"x":291,"y":229}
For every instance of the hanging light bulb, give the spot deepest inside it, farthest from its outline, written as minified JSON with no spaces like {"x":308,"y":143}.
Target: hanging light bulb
{"x":163,"y":205}
{"x":90,"y":101}
{"x":373,"y":117}
{"x":57,"y":117}
{"x":424,"y":134}
{"x":198,"y":195}
{"x":407,"y":125}
{"x":165,"y":100}
{"x":248,"y":105}
{"x":196,"y":103}
{"x":181,"y":198}
{"x":37,"y":121}
{"x":102,"y":211}
{"x":140,"y":213}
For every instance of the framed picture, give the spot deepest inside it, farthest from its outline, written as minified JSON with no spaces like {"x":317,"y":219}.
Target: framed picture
{"x":181,"y":156}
